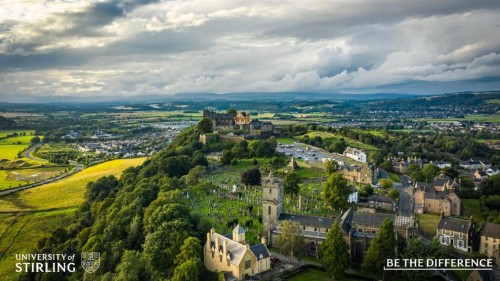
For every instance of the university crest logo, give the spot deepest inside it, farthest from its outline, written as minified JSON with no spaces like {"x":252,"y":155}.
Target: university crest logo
{"x":91,"y":261}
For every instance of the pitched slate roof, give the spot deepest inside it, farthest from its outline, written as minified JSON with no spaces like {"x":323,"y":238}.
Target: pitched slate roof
{"x":491,"y":230}
{"x":454,"y":224}
{"x":258,"y":250}
{"x":308,"y":220}
{"x":380,"y":198}
{"x":370,"y":219}
{"x":235,"y":249}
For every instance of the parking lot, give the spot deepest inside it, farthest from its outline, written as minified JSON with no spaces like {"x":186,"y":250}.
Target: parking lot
{"x":311,"y":154}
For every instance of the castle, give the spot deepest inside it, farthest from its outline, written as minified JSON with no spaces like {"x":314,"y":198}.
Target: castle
{"x":364,"y":174}
{"x":237,"y":121}
{"x":358,"y":228}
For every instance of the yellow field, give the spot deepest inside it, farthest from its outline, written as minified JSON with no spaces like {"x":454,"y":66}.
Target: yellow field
{"x":10,"y":151}
{"x":65,"y":193}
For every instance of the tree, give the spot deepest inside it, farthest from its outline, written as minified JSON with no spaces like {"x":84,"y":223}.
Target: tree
{"x":366,"y":190}
{"x":383,"y":247}
{"x":231,"y":111}
{"x":430,"y":171}
{"x":336,"y":191}
{"x":291,"y":241}
{"x":394,"y":194}
{"x":335,"y":252}
{"x":194,"y":174}
{"x":387,"y":165}
{"x":330,"y":167}
{"x":291,"y":184}
{"x":240,"y":149}
{"x":131,"y":268}
{"x":190,"y":249}
{"x":415,"y":172}
{"x":420,"y":249}
{"x":251,"y":177}
{"x":35,"y":140}
{"x":205,"y":126}
{"x":187,"y":271}
{"x":227,"y":157}
{"x":450,"y":172}
{"x":385,"y":183}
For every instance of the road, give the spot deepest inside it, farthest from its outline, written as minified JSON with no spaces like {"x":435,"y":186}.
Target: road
{"x":405,"y":190}
{"x":27,"y":152}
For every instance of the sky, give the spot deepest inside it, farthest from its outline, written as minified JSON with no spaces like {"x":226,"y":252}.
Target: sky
{"x":126,"y":48}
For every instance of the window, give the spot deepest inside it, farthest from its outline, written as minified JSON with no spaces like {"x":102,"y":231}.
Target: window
{"x":451,"y":233}
{"x":270,"y":191}
{"x":460,"y":234}
{"x":269,"y":210}
{"x":248,"y":263}
{"x":460,"y":243}
{"x":220,"y":256}
{"x":304,"y":227}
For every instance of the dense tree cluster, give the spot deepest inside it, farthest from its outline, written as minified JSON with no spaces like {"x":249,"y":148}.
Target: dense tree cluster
{"x":141,"y":224}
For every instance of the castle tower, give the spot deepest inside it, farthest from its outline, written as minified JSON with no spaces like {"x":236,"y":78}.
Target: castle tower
{"x":272,"y":201}
{"x":239,"y":234}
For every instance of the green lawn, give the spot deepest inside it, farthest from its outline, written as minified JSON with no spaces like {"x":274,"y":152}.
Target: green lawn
{"x":311,"y":274}
{"x":350,"y":142}
{"x":10,"y":151}
{"x":285,"y":141}
{"x":427,"y":224}
{"x":494,"y":101}
{"x":64,"y":193}
{"x":4,"y":133}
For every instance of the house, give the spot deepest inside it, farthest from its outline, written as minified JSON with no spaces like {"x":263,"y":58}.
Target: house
{"x":492,"y":171}
{"x":358,"y":228}
{"x":230,"y":253}
{"x":365,"y":174}
{"x":353,"y":197}
{"x":489,"y":244}
{"x":381,"y":202}
{"x":355,"y":154}
{"x":441,"y":164}
{"x":480,"y":175}
{"x":456,"y":232}
{"x":470,"y":164}
{"x":437,"y":197}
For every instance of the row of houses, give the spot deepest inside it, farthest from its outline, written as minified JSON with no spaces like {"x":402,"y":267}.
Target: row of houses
{"x":464,"y":235}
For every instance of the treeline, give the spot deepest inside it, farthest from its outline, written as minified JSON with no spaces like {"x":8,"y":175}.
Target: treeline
{"x":141,"y":224}
{"x":448,"y":147}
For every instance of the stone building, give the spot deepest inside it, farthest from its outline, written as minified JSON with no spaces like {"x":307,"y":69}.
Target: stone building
{"x":358,"y":228}
{"x":220,"y":120}
{"x":401,"y":165}
{"x":231,"y":253}
{"x":355,"y":154}
{"x":365,"y":174}
{"x":489,"y":243}
{"x":242,"y":120}
{"x":456,"y":232}
{"x":437,"y":197}
{"x":381,"y":202}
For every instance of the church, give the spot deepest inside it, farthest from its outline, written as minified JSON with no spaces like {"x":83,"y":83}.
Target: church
{"x":358,"y":228}
{"x":231,"y":253}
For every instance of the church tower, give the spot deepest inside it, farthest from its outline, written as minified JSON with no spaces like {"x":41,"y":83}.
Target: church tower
{"x":272,"y":201}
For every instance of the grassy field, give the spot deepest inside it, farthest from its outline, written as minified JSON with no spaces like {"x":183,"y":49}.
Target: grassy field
{"x":350,"y":142}
{"x":19,"y":233}
{"x":17,"y":140}
{"x":493,"y":101}
{"x":285,"y":141}
{"x":427,"y":224}
{"x":18,"y":177}
{"x":65,"y":193}
{"x":10,"y":151}
{"x":4,"y":133}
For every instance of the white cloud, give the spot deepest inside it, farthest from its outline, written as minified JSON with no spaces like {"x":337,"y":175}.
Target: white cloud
{"x":91,"y":48}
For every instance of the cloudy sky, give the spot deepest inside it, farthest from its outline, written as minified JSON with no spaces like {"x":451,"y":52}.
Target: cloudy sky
{"x":140,"y":47}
